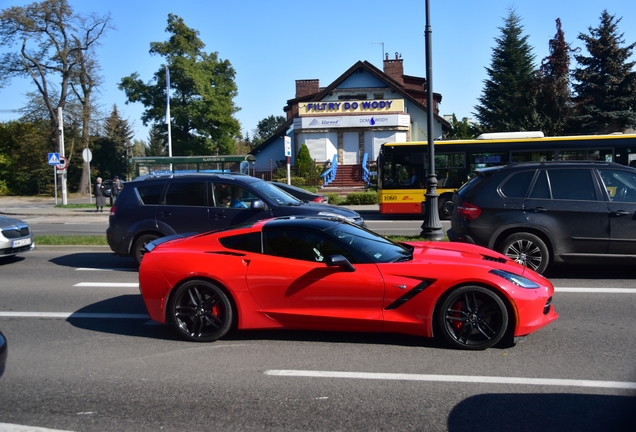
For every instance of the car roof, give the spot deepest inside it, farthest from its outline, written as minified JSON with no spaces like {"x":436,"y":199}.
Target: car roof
{"x":549,"y":164}
{"x":197,"y":175}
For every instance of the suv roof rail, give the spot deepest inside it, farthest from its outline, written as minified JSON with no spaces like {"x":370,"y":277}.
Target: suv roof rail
{"x":562,"y":162}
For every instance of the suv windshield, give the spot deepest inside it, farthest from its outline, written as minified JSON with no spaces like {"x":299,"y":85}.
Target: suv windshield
{"x":275,"y":194}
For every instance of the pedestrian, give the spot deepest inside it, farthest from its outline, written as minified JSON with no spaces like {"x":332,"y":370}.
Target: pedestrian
{"x":100,"y":200}
{"x":116,"y":188}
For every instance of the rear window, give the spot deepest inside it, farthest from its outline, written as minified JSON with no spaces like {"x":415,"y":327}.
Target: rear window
{"x":516,"y":186}
{"x":471,"y":184}
{"x":150,"y":194}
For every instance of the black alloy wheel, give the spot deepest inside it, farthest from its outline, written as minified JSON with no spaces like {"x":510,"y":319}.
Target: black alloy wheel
{"x":201,"y":311}
{"x":472,"y":318}
{"x":140,"y":245}
{"x":527,"y":249}
{"x":445,"y":206}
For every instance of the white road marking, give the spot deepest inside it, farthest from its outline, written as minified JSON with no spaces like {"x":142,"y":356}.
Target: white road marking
{"x":108,"y":284}
{"x":597,"y":290}
{"x":104,"y":269}
{"x":65,"y":315}
{"x":456,"y":378}
{"x":9,"y":427}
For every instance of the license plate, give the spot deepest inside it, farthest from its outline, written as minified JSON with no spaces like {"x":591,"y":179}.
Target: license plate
{"x":21,"y":242}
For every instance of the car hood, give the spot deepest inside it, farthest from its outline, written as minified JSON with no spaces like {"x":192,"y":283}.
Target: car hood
{"x":8,"y":223}
{"x":328,"y":208}
{"x":453,"y":253}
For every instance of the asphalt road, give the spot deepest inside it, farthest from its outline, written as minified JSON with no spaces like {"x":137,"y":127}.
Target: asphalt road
{"x":83,"y":356}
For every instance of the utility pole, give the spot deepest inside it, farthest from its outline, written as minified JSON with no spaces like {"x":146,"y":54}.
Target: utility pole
{"x":432,"y":226}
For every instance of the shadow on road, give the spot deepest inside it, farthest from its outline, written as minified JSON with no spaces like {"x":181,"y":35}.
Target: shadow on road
{"x":543,"y":412}
{"x":98,"y":260}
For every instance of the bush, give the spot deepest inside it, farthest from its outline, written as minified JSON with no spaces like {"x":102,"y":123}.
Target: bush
{"x":335,"y":199}
{"x":362,"y":198}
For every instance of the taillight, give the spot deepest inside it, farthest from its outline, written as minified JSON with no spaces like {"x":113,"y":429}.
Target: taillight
{"x":113,"y":209}
{"x":468,"y":211}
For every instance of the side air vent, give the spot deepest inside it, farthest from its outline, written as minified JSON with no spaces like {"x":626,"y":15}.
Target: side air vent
{"x":495,"y":259}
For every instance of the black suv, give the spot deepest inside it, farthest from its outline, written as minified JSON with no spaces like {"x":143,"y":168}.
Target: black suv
{"x":162,"y":205}
{"x":539,"y":213}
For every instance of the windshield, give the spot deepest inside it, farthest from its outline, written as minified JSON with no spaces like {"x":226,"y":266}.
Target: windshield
{"x":375,"y":247}
{"x":275,"y":194}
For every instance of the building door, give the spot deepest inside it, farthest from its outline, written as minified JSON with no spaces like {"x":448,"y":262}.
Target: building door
{"x":350,"y":148}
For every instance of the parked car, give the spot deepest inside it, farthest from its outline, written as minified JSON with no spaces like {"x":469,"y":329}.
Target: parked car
{"x":539,"y":213}
{"x":302,"y":194}
{"x":312,"y":273}
{"x":15,"y":237}
{"x":157,"y":206}
{"x":108,"y":187}
{"x":3,"y":353}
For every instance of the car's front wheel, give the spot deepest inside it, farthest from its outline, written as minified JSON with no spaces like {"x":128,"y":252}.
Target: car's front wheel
{"x":201,"y":311}
{"x":527,"y":249}
{"x":472,"y":318}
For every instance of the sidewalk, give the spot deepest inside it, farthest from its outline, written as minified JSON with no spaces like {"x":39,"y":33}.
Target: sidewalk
{"x":45,"y":206}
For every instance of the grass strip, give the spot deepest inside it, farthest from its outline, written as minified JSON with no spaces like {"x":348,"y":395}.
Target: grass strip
{"x":66,"y":240}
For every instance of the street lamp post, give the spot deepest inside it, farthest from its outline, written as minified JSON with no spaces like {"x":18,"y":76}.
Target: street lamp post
{"x":432,"y":226}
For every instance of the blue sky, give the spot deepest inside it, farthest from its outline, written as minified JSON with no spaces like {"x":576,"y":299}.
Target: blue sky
{"x":272,"y":43}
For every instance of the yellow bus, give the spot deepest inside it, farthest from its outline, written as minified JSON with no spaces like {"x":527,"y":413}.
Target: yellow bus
{"x":403,"y":166}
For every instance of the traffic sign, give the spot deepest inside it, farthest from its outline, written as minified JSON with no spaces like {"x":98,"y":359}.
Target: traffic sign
{"x":62,"y":163}
{"x":54,"y":158}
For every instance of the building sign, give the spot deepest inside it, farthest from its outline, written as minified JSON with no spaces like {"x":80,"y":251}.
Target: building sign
{"x":353,"y":107}
{"x":363,"y":121}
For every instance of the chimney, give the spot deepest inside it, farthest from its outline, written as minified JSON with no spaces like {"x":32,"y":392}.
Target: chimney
{"x":307,"y":87}
{"x":394,"y":68}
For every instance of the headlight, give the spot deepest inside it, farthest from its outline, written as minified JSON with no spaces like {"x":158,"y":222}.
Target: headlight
{"x":516,"y":279}
{"x":336,"y":215}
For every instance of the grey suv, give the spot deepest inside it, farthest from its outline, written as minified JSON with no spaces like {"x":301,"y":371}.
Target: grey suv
{"x":162,"y":205}
{"x":539,"y":213}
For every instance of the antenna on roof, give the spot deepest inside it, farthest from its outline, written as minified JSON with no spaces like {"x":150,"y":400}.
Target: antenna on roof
{"x":381,"y":43}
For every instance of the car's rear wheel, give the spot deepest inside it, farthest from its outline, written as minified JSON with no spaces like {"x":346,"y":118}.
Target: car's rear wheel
{"x":445,"y":206}
{"x":472,"y":318}
{"x":201,"y":311}
{"x":140,"y":244}
{"x":527,"y":249}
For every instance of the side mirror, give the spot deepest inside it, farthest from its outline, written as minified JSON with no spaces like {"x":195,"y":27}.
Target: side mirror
{"x":257,"y":205}
{"x":339,"y":261}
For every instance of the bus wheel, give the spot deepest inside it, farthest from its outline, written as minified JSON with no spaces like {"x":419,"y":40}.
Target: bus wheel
{"x":445,"y":206}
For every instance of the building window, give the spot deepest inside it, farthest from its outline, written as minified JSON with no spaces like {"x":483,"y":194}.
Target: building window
{"x":378,"y":95}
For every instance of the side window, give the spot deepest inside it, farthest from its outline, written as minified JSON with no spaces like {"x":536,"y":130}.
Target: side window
{"x":541,"y":187}
{"x":620,"y":185}
{"x":222,"y":195}
{"x":186,"y":194}
{"x":572,"y":184}
{"x":516,"y":186}
{"x":150,"y":195}
{"x":302,"y":245}
{"x":245,"y":242}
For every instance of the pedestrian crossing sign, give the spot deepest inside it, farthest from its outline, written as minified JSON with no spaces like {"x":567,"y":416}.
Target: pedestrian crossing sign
{"x":54,"y":158}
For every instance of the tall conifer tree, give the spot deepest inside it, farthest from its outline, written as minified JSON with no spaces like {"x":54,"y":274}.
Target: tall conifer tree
{"x":507,"y":102}
{"x":605,"y":83}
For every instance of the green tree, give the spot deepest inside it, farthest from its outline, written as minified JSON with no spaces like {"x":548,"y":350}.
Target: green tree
{"x":50,"y":37}
{"x":506,"y":103}
{"x":20,"y":172}
{"x":605,"y":84}
{"x":113,"y":148}
{"x":463,"y":129}
{"x":304,"y":164}
{"x":266,"y":128}
{"x":202,"y":86}
{"x":157,"y":144}
{"x":554,"y":99}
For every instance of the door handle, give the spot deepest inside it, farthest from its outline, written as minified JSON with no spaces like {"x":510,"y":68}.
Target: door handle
{"x":620,"y":213}
{"x":538,"y":210}
{"x":164,"y":214}
{"x":219,"y":216}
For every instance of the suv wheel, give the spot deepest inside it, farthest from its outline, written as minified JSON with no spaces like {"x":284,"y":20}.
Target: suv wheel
{"x":140,"y":244}
{"x":445,"y":206}
{"x":527,"y":249}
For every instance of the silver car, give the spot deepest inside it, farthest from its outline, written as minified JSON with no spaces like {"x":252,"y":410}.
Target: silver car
{"x":15,"y":237}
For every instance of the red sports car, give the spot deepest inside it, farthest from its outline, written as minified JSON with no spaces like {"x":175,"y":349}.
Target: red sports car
{"x":325,"y":274}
